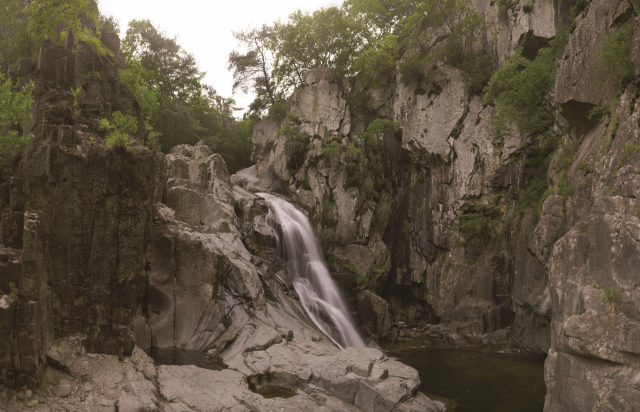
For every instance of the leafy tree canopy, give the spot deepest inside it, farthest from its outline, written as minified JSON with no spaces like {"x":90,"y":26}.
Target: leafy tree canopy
{"x":522,"y":89}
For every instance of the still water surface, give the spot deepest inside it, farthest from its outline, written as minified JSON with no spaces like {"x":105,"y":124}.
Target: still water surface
{"x":479,"y":381}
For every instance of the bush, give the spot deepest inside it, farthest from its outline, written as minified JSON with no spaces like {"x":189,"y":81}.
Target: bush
{"x":614,"y":57}
{"x":528,"y":8}
{"x":278,"y":110}
{"x":579,"y":7}
{"x":480,"y":222}
{"x":14,"y":109}
{"x":522,"y":89}
{"x":119,"y":130}
{"x":611,"y":296}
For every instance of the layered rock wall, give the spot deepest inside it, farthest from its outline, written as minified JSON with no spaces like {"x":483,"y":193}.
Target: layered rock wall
{"x":389,"y":208}
{"x":76,"y":218}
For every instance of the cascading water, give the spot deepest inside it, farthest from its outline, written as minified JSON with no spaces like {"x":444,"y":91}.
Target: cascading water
{"x":318,"y":293}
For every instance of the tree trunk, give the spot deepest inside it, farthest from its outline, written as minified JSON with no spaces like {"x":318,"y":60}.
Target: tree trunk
{"x":175,"y":131}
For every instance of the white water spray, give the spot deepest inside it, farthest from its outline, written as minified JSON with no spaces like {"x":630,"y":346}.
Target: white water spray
{"x":318,"y":293}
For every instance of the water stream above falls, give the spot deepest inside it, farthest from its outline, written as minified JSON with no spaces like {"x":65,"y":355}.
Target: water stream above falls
{"x":319,"y":294}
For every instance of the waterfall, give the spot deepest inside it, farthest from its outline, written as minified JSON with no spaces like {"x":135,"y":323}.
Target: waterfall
{"x":318,"y":293}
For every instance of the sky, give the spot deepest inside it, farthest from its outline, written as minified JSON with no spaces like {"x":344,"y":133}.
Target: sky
{"x":204,"y":28}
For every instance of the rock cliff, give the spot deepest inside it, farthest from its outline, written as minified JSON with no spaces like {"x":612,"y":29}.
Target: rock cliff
{"x":107,"y":251}
{"x":389,"y":208}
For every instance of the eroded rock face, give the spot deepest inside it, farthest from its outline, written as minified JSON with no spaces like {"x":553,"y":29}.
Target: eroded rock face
{"x":580,"y":86}
{"x":224,"y":291}
{"x":430,"y":121}
{"x":537,"y":292}
{"x":76,"y":217}
{"x":594,"y":338}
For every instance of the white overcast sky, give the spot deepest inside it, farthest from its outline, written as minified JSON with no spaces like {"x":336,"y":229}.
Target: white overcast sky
{"x":204,"y":27}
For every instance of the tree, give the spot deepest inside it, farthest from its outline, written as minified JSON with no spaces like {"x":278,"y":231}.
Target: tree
{"x":15,"y":37}
{"x":174,"y":72}
{"x":463,"y":23}
{"x":108,"y":24}
{"x":51,"y":19}
{"x":327,"y":38}
{"x":14,"y":107}
{"x":522,"y":89}
{"x":252,"y":69}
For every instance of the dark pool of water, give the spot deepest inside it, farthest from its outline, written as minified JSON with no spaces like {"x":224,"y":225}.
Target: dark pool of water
{"x":177,"y":356}
{"x":275,"y":392}
{"x":479,"y":381}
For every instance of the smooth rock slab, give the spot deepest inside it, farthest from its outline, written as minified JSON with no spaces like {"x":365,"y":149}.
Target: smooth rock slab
{"x":188,"y":388}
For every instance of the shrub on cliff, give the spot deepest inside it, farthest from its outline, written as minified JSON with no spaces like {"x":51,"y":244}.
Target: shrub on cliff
{"x":522,"y":90}
{"x":14,"y":107}
{"x":119,"y":130}
{"x":25,"y":25}
{"x":614,"y":57}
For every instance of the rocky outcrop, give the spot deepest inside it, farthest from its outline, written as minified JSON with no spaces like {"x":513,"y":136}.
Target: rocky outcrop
{"x":592,"y":272}
{"x":76,"y":218}
{"x":387,"y":213}
{"x":580,"y":87}
{"x":557,"y":279}
{"x":219,"y":287}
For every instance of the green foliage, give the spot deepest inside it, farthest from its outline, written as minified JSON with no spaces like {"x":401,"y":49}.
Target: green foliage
{"x":610,"y":296}
{"x":86,"y":36}
{"x":119,"y":129}
{"x":108,"y":24}
{"x":377,"y":127}
{"x":252,"y":69}
{"x":614,"y":57}
{"x":504,"y":5}
{"x":479,"y":67}
{"x":412,"y":70}
{"x":141,"y":83}
{"x":629,"y":149}
{"x":370,"y":37}
{"x":350,"y":269}
{"x":296,"y":141}
{"x":24,"y":25}
{"x":376,"y":66}
{"x":578,"y":8}
{"x":613,"y":127}
{"x":13,"y":294}
{"x":564,"y":189}
{"x":528,"y":8}
{"x":379,"y":273}
{"x":14,"y":114}
{"x":278,"y":110}
{"x":51,"y":19}
{"x":585,"y":167}
{"x":332,"y":148}
{"x":175,"y":77}
{"x":75,"y":92}
{"x":521,"y":90}
{"x":291,"y":132}
{"x":325,"y":38}
{"x":479,"y":223}
{"x":532,"y":197}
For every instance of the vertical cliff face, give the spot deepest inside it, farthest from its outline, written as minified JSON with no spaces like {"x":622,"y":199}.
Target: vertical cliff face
{"x":389,"y":208}
{"x":107,"y":250}
{"x":76,"y":218}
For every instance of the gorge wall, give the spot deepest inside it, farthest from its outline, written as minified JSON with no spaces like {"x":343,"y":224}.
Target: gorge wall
{"x":109,"y":250}
{"x":388,"y":207}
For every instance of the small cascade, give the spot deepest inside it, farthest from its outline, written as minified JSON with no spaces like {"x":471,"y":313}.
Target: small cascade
{"x":306,"y":267}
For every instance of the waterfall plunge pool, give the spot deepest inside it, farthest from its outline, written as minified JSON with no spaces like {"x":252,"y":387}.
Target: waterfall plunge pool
{"x":479,"y":380}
